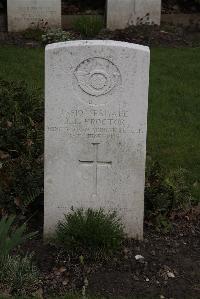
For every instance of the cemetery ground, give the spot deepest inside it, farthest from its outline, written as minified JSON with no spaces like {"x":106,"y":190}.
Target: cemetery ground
{"x":170,"y":257}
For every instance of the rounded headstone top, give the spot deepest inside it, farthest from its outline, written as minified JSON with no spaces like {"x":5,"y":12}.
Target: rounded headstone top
{"x":108,"y":43}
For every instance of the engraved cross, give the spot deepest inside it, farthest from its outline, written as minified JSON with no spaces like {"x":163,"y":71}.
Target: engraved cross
{"x":95,"y":163}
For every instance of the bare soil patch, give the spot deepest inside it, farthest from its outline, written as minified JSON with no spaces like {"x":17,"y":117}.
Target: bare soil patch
{"x":169,"y":267}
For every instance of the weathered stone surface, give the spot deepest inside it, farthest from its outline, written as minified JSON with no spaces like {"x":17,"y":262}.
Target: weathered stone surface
{"x":121,"y":14}
{"x":24,"y":14}
{"x":95,"y":132}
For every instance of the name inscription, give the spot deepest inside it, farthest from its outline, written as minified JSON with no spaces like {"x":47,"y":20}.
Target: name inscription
{"x":35,"y":13}
{"x":95,"y":123}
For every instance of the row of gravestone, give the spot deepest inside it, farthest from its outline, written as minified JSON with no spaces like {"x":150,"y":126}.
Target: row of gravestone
{"x":23,"y":14}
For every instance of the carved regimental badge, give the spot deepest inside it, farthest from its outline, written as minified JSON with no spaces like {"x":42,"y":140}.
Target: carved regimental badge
{"x":97,"y":76}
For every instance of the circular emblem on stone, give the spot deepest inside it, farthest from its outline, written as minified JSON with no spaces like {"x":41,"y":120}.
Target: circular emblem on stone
{"x":97,"y":76}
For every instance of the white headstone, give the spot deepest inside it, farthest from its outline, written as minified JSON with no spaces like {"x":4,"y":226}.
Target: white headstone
{"x":24,"y":14}
{"x":95,"y":133}
{"x":121,"y":14}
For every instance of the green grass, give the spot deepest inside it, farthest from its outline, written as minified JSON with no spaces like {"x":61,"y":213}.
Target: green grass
{"x":174,"y":101}
{"x":22,"y":64}
{"x":89,"y":26}
{"x":92,"y":231}
{"x":174,"y":110}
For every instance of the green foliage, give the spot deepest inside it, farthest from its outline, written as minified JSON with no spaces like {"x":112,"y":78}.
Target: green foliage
{"x":55,"y":36}
{"x":21,"y":145}
{"x":33,"y":34}
{"x":92,"y":230}
{"x":178,"y":180}
{"x":158,"y":194}
{"x":165,"y":192}
{"x":88,"y":26}
{"x":18,"y":274}
{"x":10,"y":238}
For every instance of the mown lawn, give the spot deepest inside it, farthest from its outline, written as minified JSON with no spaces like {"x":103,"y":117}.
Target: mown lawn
{"x":174,"y":102}
{"x":22,"y":64}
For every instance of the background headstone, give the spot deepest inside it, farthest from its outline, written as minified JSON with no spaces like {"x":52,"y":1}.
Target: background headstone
{"x":24,"y":14}
{"x":121,"y":14}
{"x":95,"y":133}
